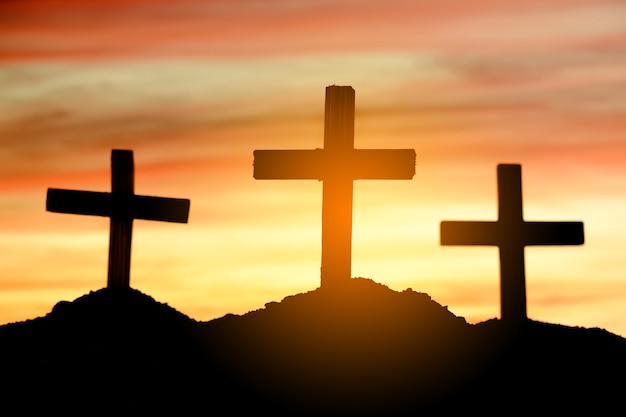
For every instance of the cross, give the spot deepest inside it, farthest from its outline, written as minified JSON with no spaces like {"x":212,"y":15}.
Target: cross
{"x":121,"y":205}
{"x":337,"y":165}
{"x":511,"y":234}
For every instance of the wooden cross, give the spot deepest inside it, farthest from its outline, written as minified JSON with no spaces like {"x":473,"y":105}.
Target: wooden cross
{"x":122,"y":205}
{"x":337,"y":165}
{"x":511,"y":234}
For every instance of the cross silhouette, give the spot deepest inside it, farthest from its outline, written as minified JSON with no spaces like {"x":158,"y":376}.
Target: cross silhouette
{"x":337,"y":165}
{"x":122,"y":205}
{"x":511,"y":234}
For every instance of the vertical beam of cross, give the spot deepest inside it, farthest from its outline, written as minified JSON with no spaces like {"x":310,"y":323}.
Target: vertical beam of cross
{"x":337,"y":165}
{"x":121,"y":223}
{"x":122,"y":206}
{"x":337,"y":189}
{"x":512,"y":263}
{"x":511,"y":234}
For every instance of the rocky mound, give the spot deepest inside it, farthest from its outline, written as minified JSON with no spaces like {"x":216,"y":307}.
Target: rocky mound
{"x":364,"y":349}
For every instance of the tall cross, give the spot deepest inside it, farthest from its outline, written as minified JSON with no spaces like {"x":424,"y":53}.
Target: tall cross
{"x":122,"y":205}
{"x":511,"y":234}
{"x":337,"y":165}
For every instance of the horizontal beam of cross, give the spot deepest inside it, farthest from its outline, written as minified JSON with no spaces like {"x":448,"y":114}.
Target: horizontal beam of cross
{"x":487,"y":233}
{"x":118,"y":205}
{"x":321,"y":164}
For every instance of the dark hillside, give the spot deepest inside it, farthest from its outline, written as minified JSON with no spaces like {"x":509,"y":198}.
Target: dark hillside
{"x":364,"y":350}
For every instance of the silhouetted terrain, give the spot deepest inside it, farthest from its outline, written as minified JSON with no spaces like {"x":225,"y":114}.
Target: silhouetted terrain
{"x":368,"y":350}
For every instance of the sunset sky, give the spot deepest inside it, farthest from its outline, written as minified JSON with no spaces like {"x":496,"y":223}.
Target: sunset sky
{"x":194,"y":87}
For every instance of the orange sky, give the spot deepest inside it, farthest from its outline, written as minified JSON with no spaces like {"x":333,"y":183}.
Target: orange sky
{"x":193,"y":87}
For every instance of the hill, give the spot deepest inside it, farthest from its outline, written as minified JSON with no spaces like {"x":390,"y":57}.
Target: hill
{"x":364,"y":350}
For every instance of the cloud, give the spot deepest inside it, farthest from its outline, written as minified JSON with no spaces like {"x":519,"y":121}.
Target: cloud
{"x":138,"y":29}
{"x":50,"y":107}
